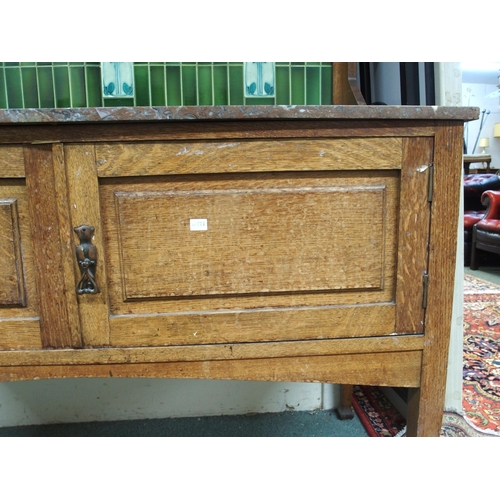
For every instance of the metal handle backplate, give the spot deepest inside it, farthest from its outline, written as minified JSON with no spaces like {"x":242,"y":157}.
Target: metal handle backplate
{"x":86,"y":256}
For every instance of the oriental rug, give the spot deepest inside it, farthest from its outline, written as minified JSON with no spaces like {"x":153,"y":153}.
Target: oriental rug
{"x":481,"y":375}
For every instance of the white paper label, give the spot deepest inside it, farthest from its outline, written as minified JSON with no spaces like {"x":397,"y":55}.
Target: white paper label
{"x":198,"y":224}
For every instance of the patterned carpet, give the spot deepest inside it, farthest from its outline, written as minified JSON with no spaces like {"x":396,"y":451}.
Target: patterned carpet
{"x":481,"y":375}
{"x":481,"y":389}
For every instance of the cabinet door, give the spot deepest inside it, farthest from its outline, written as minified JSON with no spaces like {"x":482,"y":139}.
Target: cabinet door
{"x":19,"y":311}
{"x":216,"y":241}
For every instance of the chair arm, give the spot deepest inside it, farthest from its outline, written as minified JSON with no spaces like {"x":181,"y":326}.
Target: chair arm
{"x":491,"y":200}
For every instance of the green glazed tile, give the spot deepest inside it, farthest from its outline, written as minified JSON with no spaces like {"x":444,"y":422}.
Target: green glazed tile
{"x":313,"y":86}
{"x":326,"y":85}
{"x":205,"y":86}
{"x":46,"y":87}
{"x":141,"y":78}
{"x":114,"y":102}
{"x":28,"y":64}
{"x":189,"y":94}
{"x":14,"y":87}
{"x":174,"y":95}
{"x":236,"y":85}
{"x":158,"y":86}
{"x":220,"y":86}
{"x":282,"y":85}
{"x":3,"y":91}
{"x":259,"y":101}
{"x":93,"y":90}
{"x":30,"y":87}
{"x":61,"y":83}
{"x":298,"y":90}
{"x":77,"y":87}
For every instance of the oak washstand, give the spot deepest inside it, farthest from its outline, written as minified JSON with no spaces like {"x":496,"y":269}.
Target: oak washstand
{"x":275,"y":243}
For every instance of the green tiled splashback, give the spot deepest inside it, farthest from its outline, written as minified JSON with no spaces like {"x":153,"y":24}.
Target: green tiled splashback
{"x":79,"y":84}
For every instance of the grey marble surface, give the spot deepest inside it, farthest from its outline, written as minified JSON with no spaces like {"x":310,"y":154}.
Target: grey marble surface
{"x":152,"y":113}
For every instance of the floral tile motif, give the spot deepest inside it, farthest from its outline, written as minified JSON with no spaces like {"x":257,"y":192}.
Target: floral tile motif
{"x":117,"y":79}
{"x":259,"y":79}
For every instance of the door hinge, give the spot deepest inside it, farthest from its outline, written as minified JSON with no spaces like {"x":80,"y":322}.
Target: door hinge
{"x":425,"y":278}
{"x":430,"y":186}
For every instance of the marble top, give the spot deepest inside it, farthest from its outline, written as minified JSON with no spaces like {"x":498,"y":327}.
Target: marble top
{"x":159,"y":113}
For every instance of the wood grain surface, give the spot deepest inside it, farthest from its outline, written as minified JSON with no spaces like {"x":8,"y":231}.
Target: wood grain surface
{"x":308,"y":266}
{"x":11,"y":162}
{"x":12,"y":279}
{"x":181,"y":157}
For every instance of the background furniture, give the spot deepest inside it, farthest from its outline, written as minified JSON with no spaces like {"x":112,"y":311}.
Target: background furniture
{"x":485,"y":160}
{"x":232,"y":243}
{"x":474,"y":186}
{"x":486,"y":232}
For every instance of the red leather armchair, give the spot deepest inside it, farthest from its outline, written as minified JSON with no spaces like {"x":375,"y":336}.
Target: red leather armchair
{"x":486,"y":232}
{"x":474,"y":186}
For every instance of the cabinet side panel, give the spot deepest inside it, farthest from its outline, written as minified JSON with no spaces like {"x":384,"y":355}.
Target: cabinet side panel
{"x":442,"y":257}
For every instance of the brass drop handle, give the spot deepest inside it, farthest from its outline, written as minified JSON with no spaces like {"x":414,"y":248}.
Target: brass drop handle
{"x":86,"y":256}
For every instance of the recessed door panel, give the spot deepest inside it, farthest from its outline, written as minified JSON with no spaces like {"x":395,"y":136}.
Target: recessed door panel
{"x":190,"y":243}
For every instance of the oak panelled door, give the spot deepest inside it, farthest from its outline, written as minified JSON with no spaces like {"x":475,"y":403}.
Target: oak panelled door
{"x":20,"y":323}
{"x":222,"y":240}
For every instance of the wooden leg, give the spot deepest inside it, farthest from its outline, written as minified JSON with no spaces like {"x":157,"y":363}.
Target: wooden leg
{"x":473,"y":252}
{"x":345,"y":410}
